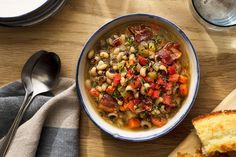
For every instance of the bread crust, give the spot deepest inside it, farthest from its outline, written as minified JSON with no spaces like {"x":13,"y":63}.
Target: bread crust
{"x":213,"y":114}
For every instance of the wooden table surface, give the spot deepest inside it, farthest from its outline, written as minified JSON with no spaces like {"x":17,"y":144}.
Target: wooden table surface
{"x":67,"y":32}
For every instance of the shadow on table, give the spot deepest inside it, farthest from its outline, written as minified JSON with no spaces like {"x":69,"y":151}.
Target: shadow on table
{"x":157,"y":147}
{"x":224,"y":62}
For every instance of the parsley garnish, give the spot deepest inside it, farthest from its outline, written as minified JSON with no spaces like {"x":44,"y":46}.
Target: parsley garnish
{"x":130,"y":41}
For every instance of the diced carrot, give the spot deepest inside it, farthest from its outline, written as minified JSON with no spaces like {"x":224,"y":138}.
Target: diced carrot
{"x":183,"y":89}
{"x":133,"y":123}
{"x":94,"y":92}
{"x":110,"y":89}
{"x":129,"y":106}
{"x":174,"y":78}
{"x":183,"y":79}
{"x":136,"y":83}
{"x":158,"y":122}
{"x":122,"y":108}
{"x":131,"y":62}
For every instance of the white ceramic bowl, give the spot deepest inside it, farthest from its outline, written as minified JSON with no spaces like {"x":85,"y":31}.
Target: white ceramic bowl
{"x":144,"y":134}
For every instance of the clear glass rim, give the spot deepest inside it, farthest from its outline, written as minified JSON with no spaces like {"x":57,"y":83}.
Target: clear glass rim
{"x":209,"y":22}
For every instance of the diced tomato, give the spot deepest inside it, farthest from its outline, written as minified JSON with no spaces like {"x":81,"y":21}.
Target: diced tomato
{"x":116,"y":42}
{"x":183,"y":79}
{"x":153,"y":85}
{"x":136,"y":101}
{"x":150,"y":92}
{"x":167,"y":99}
{"x":129,"y":73}
{"x":147,"y":107}
{"x":171,"y":70}
{"x":158,"y":122}
{"x":183,"y":89}
{"x":134,"y":123}
{"x":94,"y":92}
{"x":156,"y":94}
{"x":110,"y":89}
{"x":160,"y":80}
{"x":142,"y":60}
{"x":148,"y":79}
{"x":116,"y":79}
{"x":173,"y":78}
{"x":168,"y":86}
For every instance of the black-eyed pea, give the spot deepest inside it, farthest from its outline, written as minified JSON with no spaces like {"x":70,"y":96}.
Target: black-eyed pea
{"x":101,"y":65}
{"x":122,"y":37}
{"x":100,"y":72}
{"x":104,"y":86}
{"x":91,"y":54}
{"x":132,"y":57}
{"x":115,"y":67}
{"x":88,"y":84}
{"x":104,"y":54}
{"x":143,"y":71}
{"x":99,"y":88}
{"x":132,"y":49}
{"x":93,"y":71}
{"x":109,"y":81}
{"x":116,"y":50}
{"x":109,"y":41}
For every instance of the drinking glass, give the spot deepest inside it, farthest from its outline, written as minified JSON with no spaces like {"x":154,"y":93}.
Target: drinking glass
{"x":215,"y":14}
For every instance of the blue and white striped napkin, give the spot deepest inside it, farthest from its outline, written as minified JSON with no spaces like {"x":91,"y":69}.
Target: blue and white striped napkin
{"x":50,"y":126}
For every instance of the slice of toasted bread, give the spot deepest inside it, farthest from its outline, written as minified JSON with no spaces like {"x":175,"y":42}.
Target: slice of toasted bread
{"x":217,"y":131}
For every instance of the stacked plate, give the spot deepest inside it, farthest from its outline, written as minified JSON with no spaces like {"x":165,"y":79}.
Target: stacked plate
{"x":27,"y":12}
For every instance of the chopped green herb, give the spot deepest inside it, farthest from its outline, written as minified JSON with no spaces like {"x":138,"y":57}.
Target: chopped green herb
{"x":116,"y":94}
{"x":94,"y":84}
{"x":130,"y":41}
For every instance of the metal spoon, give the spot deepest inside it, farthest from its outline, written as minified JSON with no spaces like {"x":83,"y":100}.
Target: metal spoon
{"x":27,"y":83}
{"x":43,"y":77}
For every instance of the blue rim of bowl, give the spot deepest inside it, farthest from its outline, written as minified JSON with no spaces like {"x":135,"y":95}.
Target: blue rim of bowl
{"x":154,"y":136}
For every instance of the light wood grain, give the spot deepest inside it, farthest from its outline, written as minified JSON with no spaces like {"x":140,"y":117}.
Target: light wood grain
{"x":66,"y":33}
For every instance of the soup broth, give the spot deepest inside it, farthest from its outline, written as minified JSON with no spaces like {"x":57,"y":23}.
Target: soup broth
{"x":138,"y":76}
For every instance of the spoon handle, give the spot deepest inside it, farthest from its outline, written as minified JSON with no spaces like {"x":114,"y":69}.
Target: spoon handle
{"x":11,"y":132}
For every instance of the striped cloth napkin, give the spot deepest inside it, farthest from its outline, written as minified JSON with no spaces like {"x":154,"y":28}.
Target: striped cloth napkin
{"x":50,"y":126}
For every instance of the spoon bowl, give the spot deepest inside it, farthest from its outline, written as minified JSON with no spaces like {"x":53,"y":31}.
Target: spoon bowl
{"x":46,"y":72}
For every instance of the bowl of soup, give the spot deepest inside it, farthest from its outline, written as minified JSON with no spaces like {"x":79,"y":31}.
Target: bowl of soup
{"x":137,"y":77}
